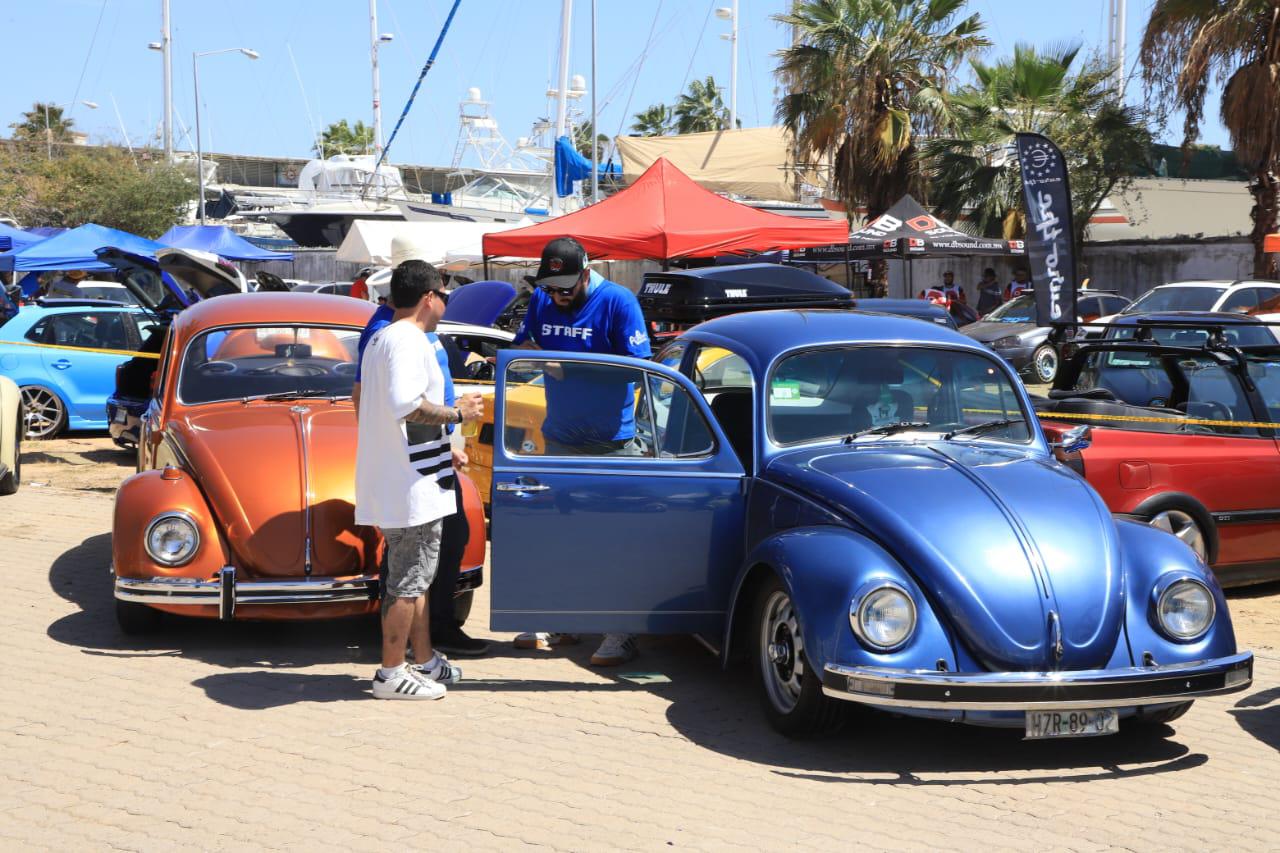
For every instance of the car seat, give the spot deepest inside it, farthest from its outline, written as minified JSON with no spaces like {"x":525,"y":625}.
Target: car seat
{"x":732,"y":409}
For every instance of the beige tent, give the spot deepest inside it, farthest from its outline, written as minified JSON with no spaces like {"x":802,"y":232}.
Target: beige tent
{"x":755,"y":162}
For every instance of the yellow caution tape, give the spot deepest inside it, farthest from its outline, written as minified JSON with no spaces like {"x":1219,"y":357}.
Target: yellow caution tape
{"x":1053,"y":416}
{"x":126,"y":352}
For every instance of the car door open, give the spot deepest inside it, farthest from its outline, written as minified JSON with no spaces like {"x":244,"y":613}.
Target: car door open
{"x":617,"y":503}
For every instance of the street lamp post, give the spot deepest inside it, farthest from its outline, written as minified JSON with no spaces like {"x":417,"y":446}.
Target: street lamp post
{"x":48,"y":129}
{"x":195,"y":79}
{"x":731,"y":15}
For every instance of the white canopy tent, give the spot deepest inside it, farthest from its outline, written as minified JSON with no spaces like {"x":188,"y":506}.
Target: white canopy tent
{"x":371,"y":241}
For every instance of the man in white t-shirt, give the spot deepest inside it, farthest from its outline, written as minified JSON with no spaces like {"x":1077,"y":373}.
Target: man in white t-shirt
{"x":404,"y":475}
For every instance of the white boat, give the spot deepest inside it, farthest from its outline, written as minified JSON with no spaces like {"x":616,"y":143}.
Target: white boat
{"x":332,"y":194}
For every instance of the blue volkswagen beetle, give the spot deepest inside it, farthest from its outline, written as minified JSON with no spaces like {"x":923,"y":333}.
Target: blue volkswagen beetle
{"x":863,"y":505}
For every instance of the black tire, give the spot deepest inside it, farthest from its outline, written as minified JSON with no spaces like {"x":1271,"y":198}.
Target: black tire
{"x":1044,"y":364}
{"x":462,"y":607}
{"x":10,"y":481}
{"x":43,"y":403}
{"x":794,"y":712}
{"x":135,"y":619}
{"x":1146,"y":719}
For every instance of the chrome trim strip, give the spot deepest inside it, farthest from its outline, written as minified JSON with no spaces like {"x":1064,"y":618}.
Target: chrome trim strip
{"x":227,"y":593}
{"x":1071,"y":685}
{"x":304,"y":439}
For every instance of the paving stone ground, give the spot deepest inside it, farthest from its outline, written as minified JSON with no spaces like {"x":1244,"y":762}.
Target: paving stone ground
{"x":250,"y":736}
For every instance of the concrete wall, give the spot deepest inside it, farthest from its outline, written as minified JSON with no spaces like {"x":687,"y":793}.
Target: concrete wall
{"x":1129,"y":268}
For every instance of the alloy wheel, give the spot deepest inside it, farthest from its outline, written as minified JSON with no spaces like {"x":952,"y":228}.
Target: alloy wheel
{"x":781,"y":651}
{"x":1046,"y":364}
{"x":45,"y":412}
{"x":1183,"y":526}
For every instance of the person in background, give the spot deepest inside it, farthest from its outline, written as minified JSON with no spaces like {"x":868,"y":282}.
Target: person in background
{"x":989,"y":296}
{"x":945,"y":294}
{"x":1021,"y":281}
{"x":404,"y":476}
{"x":576,"y":309}
{"x":359,"y":289}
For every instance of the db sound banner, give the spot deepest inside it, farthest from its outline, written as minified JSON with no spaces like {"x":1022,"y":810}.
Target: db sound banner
{"x":1049,"y":233}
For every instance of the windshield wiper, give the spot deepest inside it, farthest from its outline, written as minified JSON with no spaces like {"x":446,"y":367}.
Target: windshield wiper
{"x":294,"y":395}
{"x":886,"y":429}
{"x":982,"y":427}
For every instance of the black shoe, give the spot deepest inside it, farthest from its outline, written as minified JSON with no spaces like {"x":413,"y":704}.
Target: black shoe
{"x":456,"y":642}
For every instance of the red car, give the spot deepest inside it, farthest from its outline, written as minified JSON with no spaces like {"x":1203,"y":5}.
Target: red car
{"x":1180,"y":409}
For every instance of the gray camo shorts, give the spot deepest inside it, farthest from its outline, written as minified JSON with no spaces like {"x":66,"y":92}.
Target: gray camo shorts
{"x":413,"y":554}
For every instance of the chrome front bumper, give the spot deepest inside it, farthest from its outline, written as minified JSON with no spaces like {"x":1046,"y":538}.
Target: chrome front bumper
{"x":1022,"y":691}
{"x":228,"y":593}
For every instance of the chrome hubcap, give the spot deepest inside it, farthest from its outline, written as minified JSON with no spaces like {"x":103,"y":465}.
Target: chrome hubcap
{"x":1047,"y":364}
{"x":44,"y":412}
{"x":782,"y":647}
{"x":1183,"y":526}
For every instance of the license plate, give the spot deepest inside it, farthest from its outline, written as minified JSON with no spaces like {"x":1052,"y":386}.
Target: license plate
{"x":1079,"y":722}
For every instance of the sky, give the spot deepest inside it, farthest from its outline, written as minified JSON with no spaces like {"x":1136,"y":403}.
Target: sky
{"x":314,"y":63}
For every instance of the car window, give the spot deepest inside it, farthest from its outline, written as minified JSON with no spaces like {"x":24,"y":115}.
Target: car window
{"x":85,"y":329}
{"x":679,"y":428}
{"x":1176,"y":299}
{"x":1088,"y":308}
{"x":246,"y":361}
{"x":1215,"y":398}
{"x":842,"y":390}
{"x":1243,"y":334}
{"x":572,"y":408}
{"x":717,"y":368}
{"x":1242,"y":301}
{"x":1114,"y":304}
{"x":671,"y":355}
{"x":1020,"y":309}
{"x":146,"y":325}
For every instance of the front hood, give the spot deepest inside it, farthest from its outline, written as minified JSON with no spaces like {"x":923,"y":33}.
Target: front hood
{"x":250,"y":460}
{"x":480,"y":303}
{"x":987,"y":331}
{"x":998,"y":539}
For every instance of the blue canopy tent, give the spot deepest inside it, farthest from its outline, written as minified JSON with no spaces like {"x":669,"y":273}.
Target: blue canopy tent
{"x":12,"y":241}
{"x":572,"y":166}
{"x":221,"y":241}
{"x":47,"y":231}
{"x":74,"y":249}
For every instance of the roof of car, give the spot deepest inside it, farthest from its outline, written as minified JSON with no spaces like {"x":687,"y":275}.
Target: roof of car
{"x":766,"y":333}
{"x":1218,"y":282}
{"x":283,"y":308}
{"x":70,"y":302}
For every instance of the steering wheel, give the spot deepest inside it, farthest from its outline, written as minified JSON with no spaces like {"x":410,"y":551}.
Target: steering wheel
{"x":283,"y":369}
{"x":480,"y":370}
{"x":216,"y":368}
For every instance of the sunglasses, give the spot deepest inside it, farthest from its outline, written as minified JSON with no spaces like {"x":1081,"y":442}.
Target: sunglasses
{"x":442,"y":296}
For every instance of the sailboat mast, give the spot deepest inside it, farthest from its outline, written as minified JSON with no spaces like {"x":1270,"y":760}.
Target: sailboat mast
{"x":562,"y":89}
{"x":377,"y":86}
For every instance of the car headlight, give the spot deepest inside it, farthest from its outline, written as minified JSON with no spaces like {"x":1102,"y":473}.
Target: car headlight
{"x":172,"y":539}
{"x":1007,"y":342}
{"x":883,"y":617}
{"x":1185,"y":609}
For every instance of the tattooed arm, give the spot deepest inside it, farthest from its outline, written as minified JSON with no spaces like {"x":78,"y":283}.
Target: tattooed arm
{"x":432,"y":413}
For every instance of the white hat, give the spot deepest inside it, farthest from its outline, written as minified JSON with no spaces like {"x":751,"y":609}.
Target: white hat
{"x":404,"y":247}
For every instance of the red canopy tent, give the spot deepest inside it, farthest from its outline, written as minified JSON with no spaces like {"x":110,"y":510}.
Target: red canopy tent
{"x":665,"y":215}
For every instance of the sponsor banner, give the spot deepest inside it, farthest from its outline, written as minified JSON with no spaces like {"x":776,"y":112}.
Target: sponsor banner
{"x":1047,"y":196}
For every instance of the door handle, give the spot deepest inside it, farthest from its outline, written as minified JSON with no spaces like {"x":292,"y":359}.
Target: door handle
{"x":62,"y":364}
{"x":522,"y":487}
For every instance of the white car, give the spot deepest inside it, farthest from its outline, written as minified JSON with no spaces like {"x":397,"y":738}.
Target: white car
{"x":89,"y":288}
{"x":1240,"y":296}
{"x":12,"y":426}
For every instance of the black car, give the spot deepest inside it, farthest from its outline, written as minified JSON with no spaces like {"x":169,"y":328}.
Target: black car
{"x":1012,"y":331}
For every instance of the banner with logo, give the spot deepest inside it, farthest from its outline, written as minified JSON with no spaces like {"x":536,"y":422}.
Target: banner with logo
{"x":1050,"y":244}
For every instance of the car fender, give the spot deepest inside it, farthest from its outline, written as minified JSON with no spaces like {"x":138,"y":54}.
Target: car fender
{"x":1148,"y":556}
{"x":823,"y":567}
{"x":10,"y":421}
{"x":1189,"y":504}
{"x":139,"y":500}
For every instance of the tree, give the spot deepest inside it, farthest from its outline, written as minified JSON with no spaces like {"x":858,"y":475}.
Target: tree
{"x":1189,"y":43}
{"x":342,"y":138}
{"x":101,"y":185}
{"x":971,"y":162}
{"x":701,"y":109}
{"x":32,"y":126}
{"x":654,"y":121}
{"x":582,"y":140}
{"x":853,"y":83}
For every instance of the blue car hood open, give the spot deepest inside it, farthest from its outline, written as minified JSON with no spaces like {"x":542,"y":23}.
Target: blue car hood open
{"x":479,"y":303}
{"x":997,"y":539}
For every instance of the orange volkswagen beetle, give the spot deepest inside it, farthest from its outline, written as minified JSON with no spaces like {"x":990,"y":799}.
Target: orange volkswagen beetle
{"x":243,"y":507}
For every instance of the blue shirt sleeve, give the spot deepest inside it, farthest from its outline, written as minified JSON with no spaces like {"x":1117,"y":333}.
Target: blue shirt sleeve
{"x":380,"y":319}
{"x":627,"y":334}
{"x":442,"y":358}
{"x":530,"y":321}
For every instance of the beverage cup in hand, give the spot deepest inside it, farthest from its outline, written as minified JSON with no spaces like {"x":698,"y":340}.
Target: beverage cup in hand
{"x":472,"y":408}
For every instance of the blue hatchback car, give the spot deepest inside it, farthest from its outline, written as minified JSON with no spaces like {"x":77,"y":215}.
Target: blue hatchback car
{"x":63,"y":354}
{"x":863,"y":505}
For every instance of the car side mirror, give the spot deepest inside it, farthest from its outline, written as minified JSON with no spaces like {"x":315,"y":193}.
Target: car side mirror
{"x":1074,"y":440}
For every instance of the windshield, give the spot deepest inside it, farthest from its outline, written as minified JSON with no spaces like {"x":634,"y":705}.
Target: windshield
{"x":1020,"y":309}
{"x":1176,"y":299}
{"x":231,"y":364}
{"x":841,"y":391}
{"x":112,"y":294}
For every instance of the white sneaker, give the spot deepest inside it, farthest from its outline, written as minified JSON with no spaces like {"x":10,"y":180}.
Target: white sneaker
{"x":439,"y":670}
{"x":543,"y":641}
{"x":405,"y":684}
{"x":615,"y":649}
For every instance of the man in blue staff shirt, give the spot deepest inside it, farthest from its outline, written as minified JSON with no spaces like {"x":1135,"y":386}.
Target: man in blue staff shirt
{"x":575,"y":309}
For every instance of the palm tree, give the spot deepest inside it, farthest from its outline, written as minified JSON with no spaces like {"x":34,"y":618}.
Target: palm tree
{"x":583,"y":137}
{"x":973,"y":172}
{"x":654,"y":121}
{"x":853,"y":82}
{"x":701,"y":108}
{"x":1189,"y":43}
{"x":32,"y":127}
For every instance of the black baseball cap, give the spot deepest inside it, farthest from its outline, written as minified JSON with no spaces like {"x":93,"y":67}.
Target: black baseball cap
{"x":563,"y":260}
